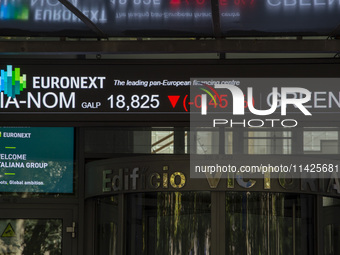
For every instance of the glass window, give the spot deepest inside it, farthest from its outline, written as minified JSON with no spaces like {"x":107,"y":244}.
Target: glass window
{"x":268,"y":142}
{"x":107,"y":226}
{"x":157,"y":140}
{"x":31,"y":236}
{"x":265,"y":223}
{"x":169,"y":223}
{"x":119,"y":140}
{"x":162,"y":142}
{"x":330,"y":226}
{"x":228,"y":142}
{"x":320,"y":142}
{"x":135,"y":140}
{"x":114,"y":140}
{"x":205,"y":141}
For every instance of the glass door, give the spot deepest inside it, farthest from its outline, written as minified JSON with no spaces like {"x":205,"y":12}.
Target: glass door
{"x":269,"y":223}
{"x":36,"y":231}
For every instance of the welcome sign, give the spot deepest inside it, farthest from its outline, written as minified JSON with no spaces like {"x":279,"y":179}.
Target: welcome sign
{"x":36,"y":159}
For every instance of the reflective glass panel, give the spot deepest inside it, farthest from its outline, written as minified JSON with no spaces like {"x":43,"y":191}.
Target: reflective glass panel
{"x":169,"y":223}
{"x":135,"y":140}
{"x":31,"y":236}
{"x":162,"y":142}
{"x":207,"y":142}
{"x":264,"y":223}
{"x":268,"y":142}
{"x":320,"y":142}
{"x":228,"y":142}
{"x":156,"y":140}
{"x":330,"y":226}
{"x":107,"y":226}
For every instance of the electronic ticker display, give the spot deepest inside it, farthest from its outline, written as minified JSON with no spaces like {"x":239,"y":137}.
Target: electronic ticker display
{"x":89,"y":89}
{"x":36,"y":159}
{"x":274,"y":17}
{"x":113,"y":17}
{"x":106,"y":91}
{"x":159,"y":18}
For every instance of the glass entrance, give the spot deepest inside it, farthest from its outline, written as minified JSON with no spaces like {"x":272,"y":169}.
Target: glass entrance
{"x":181,"y":223}
{"x":36,"y":232}
{"x":170,"y":223}
{"x":269,"y":223}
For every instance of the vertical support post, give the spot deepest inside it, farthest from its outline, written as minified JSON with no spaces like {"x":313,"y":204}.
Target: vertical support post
{"x":238,"y":142}
{"x":221,"y":141}
{"x":319,"y":240}
{"x":218,"y":222}
{"x":294,"y":228}
{"x":297,"y":141}
{"x":121,"y":227}
{"x":179,"y":140}
{"x":215,"y":9}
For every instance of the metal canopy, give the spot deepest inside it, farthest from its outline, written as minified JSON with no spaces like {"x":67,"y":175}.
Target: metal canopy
{"x":170,"y":46}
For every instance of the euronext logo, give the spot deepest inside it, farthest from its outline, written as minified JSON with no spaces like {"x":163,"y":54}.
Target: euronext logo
{"x":11,"y":83}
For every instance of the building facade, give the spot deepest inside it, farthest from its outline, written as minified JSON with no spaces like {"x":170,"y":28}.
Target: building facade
{"x":169,"y":127}
{"x":79,"y":179}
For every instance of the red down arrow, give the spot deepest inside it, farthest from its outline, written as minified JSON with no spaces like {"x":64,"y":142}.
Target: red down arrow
{"x":173,"y":100}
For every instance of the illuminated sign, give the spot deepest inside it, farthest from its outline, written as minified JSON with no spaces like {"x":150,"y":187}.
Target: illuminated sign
{"x":13,"y":10}
{"x":313,"y":4}
{"x":36,"y":159}
{"x":54,"y":11}
{"x":159,"y":89}
{"x":11,"y":83}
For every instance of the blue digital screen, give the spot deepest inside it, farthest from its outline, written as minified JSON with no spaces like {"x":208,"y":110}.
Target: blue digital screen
{"x":36,"y":159}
